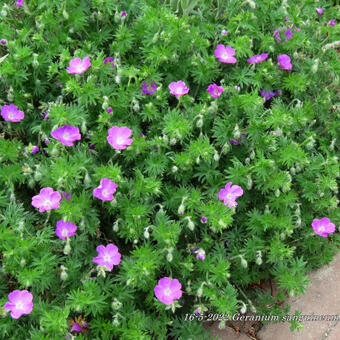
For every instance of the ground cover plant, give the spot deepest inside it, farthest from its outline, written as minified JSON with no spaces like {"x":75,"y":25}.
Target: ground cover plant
{"x":160,"y":159}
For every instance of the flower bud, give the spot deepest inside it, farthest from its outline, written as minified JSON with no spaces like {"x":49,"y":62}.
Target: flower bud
{"x":252,"y":154}
{"x":174,"y":169}
{"x":67,"y":248}
{"x":191,"y":224}
{"x":63,"y":275}
{"x":116,"y":304}
{"x":200,"y":291}
{"x":65,"y":14}
{"x":169,"y":257}
{"x":237,"y":132}
{"x":216,"y":156}
{"x":277,"y":193}
{"x":243,"y":309}
{"x":244,"y":262}
{"x":22,"y":263}
{"x":249,"y":182}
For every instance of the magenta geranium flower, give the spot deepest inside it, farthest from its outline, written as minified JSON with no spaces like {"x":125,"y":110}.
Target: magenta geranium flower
{"x":65,"y":229}
{"x":20,"y":3}
{"x":20,"y":303}
{"x":109,"y":60}
{"x":47,"y":199}
{"x":319,"y":10}
{"x":149,"y":89}
{"x":284,"y":62}
{"x":105,"y":190}
{"x":204,"y":219}
{"x":332,"y":22}
{"x":107,"y":256}
{"x":35,"y":149}
{"x":11,"y":113}
{"x":323,"y":227}
{"x":258,"y":58}
{"x":118,"y":137}
{"x":225,"y":54}
{"x":229,"y":194}
{"x":178,"y":88}
{"x":66,"y":134}
{"x":78,"y":65}
{"x":215,"y":90}
{"x":200,"y":254}
{"x":3,"y":41}
{"x":168,"y":290}
{"x":109,"y":110}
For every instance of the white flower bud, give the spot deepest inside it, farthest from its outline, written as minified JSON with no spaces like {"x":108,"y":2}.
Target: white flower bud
{"x":169,"y":257}
{"x":237,"y":132}
{"x":4,"y":13}
{"x":243,"y":309}
{"x":200,"y":291}
{"x":117,"y":79}
{"x":191,"y":224}
{"x":65,"y":14}
{"x":22,"y":263}
{"x":67,"y":248}
{"x":146,"y":233}
{"x":244,"y":262}
{"x":63,"y":275}
{"x":277,"y":193}
{"x":216,"y":156}
{"x":116,"y":304}
{"x":174,"y":169}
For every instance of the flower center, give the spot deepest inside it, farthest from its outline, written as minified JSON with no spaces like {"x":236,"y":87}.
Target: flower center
{"x":64,"y":232}
{"x":105,"y":193}
{"x":19,"y":305}
{"x":167,"y":291}
{"x":107,"y":258}
{"x":120,"y":140}
{"x":48,"y":203}
{"x":11,"y":115}
{"x":229,"y":196}
{"x":225,"y":55}
{"x":66,"y":136}
{"x":321,"y":229}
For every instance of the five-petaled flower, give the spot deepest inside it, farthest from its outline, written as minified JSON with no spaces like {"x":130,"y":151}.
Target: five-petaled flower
{"x":105,"y":190}
{"x":47,"y":199}
{"x":168,"y":290}
{"x":319,"y":10}
{"x":119,"y":137}
{"x":258,"y":58}
{"x":200,"y":254}
{"x":65,"y":229}
{"x":323,"y":227}
{"x":229,"y":194}
{"x":11,"y":113}
{"x":225,"y":54}
{"x":332,"y":22}
{"x":215,"y":90}
{"x":20,"y":3}
{"x":66,"y":134}
{"x":284,"y":62}
{"x":35,"y":149}
{"x":78,"y":65}
{"x":178,"y":88}
{"x":20,"y":303}
{"x":107,"y":256}
{"x":149,"y":89}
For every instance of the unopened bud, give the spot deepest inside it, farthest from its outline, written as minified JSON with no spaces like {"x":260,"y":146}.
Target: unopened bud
{"x":63,"y":275}
{"x":244,"y":263}
{"x":65,"y":14}
{"x":174,"y":169}
{"x":216,"y":156}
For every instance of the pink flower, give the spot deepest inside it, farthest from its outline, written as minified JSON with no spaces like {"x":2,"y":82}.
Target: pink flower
{"x":20,"y":303}
{"x":215,"y":90}
{"x":224,"y":32}
{"x":284,"y":62}
{"x":168,"y":290}
{"x":107,"y":256}
{"x":35,"y":149}
{"x":237,"y":88}
{"x":46,"y":200}
{"x":323,"y":227}
{"x":123,"y":14}
{"x":105,"y":190}
{"x":258,"y":58}
{"x":118,"y":137}
{"x":66,"y":134}
{"x":319,"y":10}
{"x":229,"y":194}
{"x":20,"y":3}
{"x":11,"y":113}
{"x":3,"y":41}
{"x":332,"y":22}
{"x":109,"y":110}
{"x":178,"y":88}
{"x":204,"y":219}
{"x":65,"y":229}
{"x":200,"y":254}
{"x":225,"y":54}
{"x":287,"y":19}
{"x":78,"y":65}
